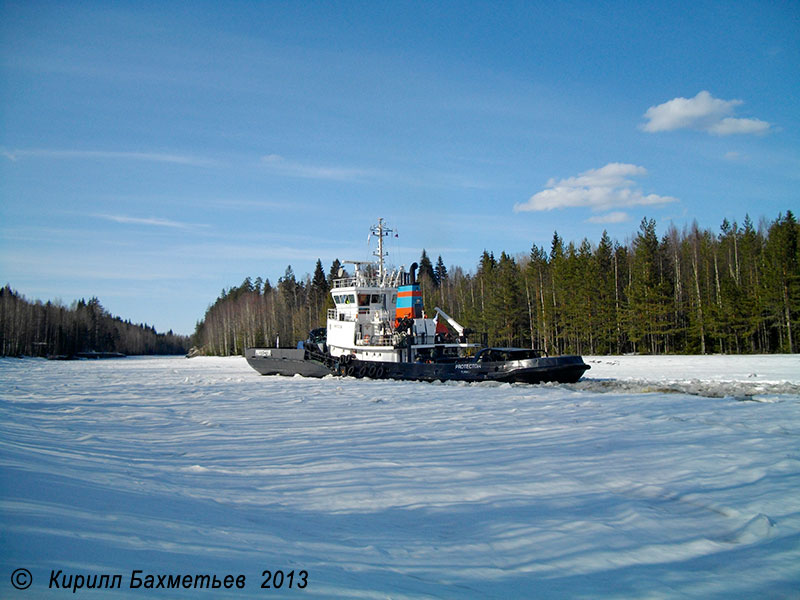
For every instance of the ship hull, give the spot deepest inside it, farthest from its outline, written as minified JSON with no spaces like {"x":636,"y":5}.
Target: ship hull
{"x":559,"y":369}
{"x":285,"y":361}
{"x":289,"y":362}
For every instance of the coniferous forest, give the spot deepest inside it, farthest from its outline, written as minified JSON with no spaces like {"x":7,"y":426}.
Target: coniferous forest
{"x":690,"y":291}
{"x":46,"y":329}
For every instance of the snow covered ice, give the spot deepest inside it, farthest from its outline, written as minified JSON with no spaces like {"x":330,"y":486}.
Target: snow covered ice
{"x":653,"y":477}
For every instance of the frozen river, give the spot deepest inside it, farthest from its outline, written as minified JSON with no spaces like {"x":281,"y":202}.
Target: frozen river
{"x":654,"y":477}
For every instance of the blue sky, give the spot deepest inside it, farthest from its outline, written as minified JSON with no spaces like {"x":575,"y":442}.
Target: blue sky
{"x":153,"y":153}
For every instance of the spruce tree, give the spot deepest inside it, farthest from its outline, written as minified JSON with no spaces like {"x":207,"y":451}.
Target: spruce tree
{"x":782,"y":270}
{"x":506,"y":302}
{"x":426,"y":267}
{"x":440,"y":272}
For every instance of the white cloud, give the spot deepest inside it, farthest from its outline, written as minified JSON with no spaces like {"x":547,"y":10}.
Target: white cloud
{"x":732,"y":126}
{"x":703,"y":113}
{"x":153,"y":221}
{"x":600,"y":189}
{"x":612,"y":217}
{"x":289,"y":168}
{"x":180,"y":159}
{"x":734,"y":156}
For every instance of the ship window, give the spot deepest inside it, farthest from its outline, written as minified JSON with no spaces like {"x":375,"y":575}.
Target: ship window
{"x":376,"y":299}
{"x":363,"y":299}
{"x":344,"y":299}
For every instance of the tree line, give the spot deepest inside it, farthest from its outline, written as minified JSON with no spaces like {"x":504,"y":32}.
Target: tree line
{"x":256,"y":313}
{"x":689,"y":291}
{"x":46,"y":329}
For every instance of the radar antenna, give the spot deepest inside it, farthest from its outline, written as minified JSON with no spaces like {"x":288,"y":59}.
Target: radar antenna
{"x":380,"y":231}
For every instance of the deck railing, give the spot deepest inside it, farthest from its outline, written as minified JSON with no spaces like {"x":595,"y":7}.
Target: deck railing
{"x":392,"y":279}
{"x":334,"y":315}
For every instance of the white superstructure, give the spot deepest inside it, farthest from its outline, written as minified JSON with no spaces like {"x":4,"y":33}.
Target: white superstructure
{"x":378,"y":315}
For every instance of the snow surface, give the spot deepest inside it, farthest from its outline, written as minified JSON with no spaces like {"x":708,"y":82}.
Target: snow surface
{"x":653,"y":477}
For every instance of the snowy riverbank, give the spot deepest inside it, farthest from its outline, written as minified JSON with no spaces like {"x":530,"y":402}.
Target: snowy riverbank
{"x":654,"y":477}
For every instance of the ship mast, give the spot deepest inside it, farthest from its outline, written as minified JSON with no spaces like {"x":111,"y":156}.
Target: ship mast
{"x":380,"y":232}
